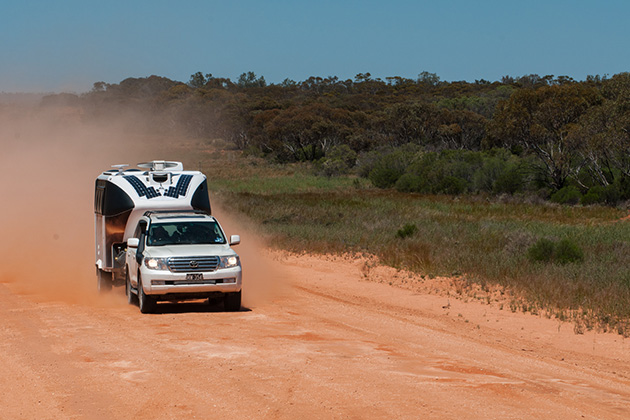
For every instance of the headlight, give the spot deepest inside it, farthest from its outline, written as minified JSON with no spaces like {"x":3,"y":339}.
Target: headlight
{"x":229,"y":262}
{"x":156,"y":263}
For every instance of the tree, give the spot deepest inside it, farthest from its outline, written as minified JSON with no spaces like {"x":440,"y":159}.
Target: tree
{"x":540,"y":121}
{"x":302,"y":132}
{"x":461,"y":129}
{"x":412,"y":123}
{"x":604,"y":132}
{"x":288,"y":83}
{"x":508,"y":80}
{"x":533,"y":81}
{"x":430,"y":79}
{"x":197,"y":80}
{"x":100,"y":87}
{"x":363,"y":77}
{"x":249,"y":80}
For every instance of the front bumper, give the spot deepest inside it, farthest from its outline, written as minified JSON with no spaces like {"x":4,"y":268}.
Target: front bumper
{"x":164,"y":284}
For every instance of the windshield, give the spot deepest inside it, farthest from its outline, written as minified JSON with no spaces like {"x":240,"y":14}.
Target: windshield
{"x":185,"y":233}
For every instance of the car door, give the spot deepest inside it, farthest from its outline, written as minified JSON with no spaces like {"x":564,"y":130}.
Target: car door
{"x":134,"y":255}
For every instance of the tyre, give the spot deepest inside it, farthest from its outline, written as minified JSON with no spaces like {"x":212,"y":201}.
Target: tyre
{"x":232,"y":301}
{"x":146,"y":303}
{"x":132,"y":298}
{"x":103,"y":281}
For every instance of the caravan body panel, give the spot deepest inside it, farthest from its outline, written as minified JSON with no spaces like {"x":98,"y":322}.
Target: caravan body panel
{"x":123,"y":195}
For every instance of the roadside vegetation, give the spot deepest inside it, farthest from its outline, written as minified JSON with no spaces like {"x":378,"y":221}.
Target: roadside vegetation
{"x":521,"y":183}
{"x":557,"y":138}
{"x":568,"y":262}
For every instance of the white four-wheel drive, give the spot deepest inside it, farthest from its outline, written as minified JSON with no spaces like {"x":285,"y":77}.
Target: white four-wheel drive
{"x":181,"y":255}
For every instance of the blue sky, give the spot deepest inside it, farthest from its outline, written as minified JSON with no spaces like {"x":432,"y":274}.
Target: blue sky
{"x":67,"y":45}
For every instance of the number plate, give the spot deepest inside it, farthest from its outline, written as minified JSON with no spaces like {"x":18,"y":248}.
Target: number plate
{"x":194,"y":276}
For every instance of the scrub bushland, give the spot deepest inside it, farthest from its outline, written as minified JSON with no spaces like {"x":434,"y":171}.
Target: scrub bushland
{"x":572,"y":262}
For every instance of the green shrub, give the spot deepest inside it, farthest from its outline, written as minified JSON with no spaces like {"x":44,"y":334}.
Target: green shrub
{"x":452,"y":185}
{"x":563,"y":252}
{"x":309,"y":153}
{"x":461,"y":171}
{"x":386,"y":168}
{"x":409,"y":182}
{"x":406,"y":231}
{"x":612,"y":193}
{"x":339,"y":160}
{"x":568,"y":251}
{"x":567,"y":195}
{"x":541,"y":251}
{"x":593,"y":196}
{"x":334,"y":167}
{"x":485,"y":176}
{"x":384,"y":177}
{"x":622,"y":184}
{"x":366,"y":161}
{"x":509,"y":181}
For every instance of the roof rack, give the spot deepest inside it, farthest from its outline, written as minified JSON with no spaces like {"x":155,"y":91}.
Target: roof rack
{"x":158,"y":212}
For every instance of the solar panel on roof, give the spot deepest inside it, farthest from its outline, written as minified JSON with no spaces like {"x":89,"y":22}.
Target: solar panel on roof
{"x":151,"y":193}
{"x":182,"y":184}
{"x":140,"y":188}
{"x":181,"y":188}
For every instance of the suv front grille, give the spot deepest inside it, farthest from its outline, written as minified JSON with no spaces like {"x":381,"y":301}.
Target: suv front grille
{"x":192,"y":264}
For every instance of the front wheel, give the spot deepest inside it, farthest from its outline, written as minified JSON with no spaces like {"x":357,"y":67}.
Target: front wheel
{"x":132,"y":298}
{"x":103,"y":281}
{"x":232,"y":301}
{"x":147,"y":303}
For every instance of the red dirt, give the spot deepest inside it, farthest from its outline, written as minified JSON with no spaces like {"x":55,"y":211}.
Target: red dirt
{"x":319,"y":338}
{"x":322,"y":337}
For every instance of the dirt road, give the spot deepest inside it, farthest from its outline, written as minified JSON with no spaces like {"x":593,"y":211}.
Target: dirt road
{"x":317,"y":340}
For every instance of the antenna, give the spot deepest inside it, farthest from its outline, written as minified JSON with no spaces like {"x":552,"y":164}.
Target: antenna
{"x":121,"y":167}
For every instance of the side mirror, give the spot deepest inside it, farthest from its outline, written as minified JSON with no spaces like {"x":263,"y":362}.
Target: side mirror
{"x":133,"y":242}
{"x":235,"y":240}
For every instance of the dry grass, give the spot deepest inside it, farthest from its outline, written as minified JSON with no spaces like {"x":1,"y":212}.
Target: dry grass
{"x":485,"y":240}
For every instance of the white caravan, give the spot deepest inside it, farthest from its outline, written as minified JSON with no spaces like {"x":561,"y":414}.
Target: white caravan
{"x":123,"y":198}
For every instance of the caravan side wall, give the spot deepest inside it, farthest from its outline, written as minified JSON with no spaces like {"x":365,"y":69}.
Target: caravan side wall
{"x":112,"y":207}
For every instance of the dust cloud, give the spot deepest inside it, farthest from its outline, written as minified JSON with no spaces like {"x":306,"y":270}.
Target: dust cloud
{"x":49,"y":159}
{"x":263,"y":277}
